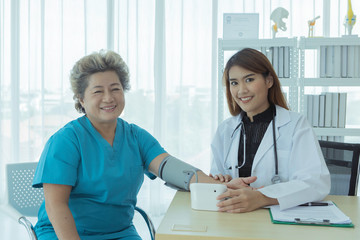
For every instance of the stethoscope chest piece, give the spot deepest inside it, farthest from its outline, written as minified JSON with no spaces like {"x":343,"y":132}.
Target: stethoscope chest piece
{"x":276,"y":179}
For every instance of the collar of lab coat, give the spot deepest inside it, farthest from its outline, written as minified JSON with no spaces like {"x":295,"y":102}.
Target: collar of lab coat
{"x":282,"y":117}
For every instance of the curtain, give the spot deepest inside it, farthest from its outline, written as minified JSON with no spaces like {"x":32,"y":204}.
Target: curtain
{"x":170,"y":48}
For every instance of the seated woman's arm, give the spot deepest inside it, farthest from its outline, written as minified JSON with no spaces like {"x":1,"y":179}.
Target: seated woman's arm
{"x":57,"y":208}
{"x":155,"y":164}
{"x":202,"y":177}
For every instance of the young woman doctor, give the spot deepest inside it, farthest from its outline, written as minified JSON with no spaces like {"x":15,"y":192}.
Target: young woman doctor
{"x":266,"y":140}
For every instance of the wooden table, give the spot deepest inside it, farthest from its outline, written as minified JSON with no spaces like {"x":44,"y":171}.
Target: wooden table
{"x":253,"y":225}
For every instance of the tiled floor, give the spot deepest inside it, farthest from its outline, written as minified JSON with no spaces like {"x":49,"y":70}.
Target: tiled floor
{"x":11,"y":230}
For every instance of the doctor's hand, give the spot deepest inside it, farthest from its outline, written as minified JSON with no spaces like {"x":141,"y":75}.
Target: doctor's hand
{"x":244,"y":199}
{"x":221,"y":178}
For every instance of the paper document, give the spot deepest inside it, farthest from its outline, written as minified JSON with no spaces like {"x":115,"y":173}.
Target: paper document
{"x":241,"y":25}
{"x":330,"y":214}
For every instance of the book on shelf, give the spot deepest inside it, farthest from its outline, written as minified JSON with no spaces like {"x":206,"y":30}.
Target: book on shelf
{"x":356,"y":61}
{"x":309,"y":108}
{"x":344,"y":59}
{"x":323,"y":138}
{"x":269,"y":55}
{"x":337,"y":62}
{"x":335,"y":111}
{"x":287,"y":62}
{"x":342,"y":110}
{"x":281,"y":62}
{"x":329,"y":61}
{"x":316,"y":110}
{"x":275,"y":62}
{"x":322,"y":110}
{"x":328,"y":109}
{"x":351,"y":62}
{"x":322,"y":61}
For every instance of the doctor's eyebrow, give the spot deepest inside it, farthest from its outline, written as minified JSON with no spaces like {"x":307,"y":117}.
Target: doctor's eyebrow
{"x":249,"y":75}
{"x":246,"y":76}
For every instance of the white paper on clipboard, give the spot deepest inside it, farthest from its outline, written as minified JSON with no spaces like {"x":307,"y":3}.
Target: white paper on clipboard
{"x":315,"y":214}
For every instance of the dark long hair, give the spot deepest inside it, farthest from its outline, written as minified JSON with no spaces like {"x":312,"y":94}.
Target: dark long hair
{"x":253,"y":60}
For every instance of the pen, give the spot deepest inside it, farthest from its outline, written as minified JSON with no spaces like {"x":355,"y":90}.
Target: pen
{"x":309,"y":204}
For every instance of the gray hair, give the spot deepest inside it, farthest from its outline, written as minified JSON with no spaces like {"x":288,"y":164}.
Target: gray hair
{"x":101,"y":61}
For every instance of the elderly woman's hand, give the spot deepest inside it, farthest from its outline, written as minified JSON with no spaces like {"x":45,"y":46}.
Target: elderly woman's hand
{"x":238,"y":183}
{"x":221,"y":178}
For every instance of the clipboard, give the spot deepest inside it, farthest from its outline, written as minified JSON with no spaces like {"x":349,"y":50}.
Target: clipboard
{"x":313,"y":214}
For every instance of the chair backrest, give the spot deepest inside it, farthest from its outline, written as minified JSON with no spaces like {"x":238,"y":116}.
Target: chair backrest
{"x":22,"y":196}
{"x":27,"y":200}
{"x":342,"y":160}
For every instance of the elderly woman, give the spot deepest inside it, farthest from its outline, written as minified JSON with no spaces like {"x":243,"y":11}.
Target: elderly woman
{"x":92,"y":168}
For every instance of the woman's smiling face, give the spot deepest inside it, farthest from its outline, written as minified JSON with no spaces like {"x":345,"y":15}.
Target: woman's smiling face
{"x":103,"y":98}
{"x":249,"y":90}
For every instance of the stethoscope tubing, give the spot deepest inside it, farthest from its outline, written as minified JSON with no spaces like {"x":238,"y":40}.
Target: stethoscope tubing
{"x":276,"y":177}
{"x":275,"y":148}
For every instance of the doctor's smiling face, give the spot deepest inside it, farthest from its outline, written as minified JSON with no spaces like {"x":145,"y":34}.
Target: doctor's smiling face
{"x":251,"y":84}
{"x":249,"y":90}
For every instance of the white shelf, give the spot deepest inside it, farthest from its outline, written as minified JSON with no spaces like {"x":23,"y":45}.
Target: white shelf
{"x":287,"y":82}
{"x":314,"y":43}
{"x":229,"y":45}
{"x":337,"y":131}
{"x":336,"y":82}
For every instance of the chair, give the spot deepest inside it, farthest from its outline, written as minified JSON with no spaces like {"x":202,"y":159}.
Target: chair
{"x":26,"y":200}
{"x":22,"y":197}
{"x":342,"y":160}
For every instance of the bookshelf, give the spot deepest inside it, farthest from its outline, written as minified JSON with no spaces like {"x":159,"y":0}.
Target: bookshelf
{"x":297,"y":82}
{"x":332,"y":80}
{"x":261,"y":45}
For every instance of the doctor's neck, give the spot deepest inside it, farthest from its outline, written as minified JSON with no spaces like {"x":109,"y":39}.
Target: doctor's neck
{"x":254,"y":115}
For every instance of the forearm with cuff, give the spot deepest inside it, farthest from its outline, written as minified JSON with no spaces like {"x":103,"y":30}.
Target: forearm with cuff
{"x":176,"y":172}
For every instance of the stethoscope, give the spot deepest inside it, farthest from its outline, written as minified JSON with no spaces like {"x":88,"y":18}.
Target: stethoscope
{"x":276,"y":178}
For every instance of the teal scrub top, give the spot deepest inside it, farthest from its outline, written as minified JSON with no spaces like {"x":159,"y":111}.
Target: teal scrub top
{"x":106,"y":179}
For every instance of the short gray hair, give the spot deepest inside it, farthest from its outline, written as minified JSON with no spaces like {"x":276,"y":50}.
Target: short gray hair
{"x":101,"y":61}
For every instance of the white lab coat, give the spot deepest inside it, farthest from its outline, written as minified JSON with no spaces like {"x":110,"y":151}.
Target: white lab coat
{"x":302,"y":169}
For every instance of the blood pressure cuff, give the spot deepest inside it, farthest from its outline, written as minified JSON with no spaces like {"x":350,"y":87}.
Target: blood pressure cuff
{"x":176,"y":172}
